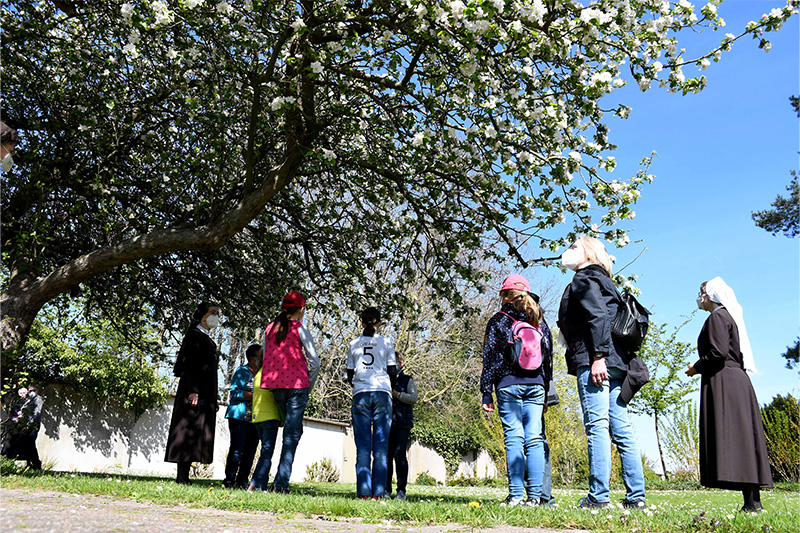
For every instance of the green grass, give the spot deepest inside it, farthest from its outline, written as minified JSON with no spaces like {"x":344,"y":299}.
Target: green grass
{"x":669,"y":510}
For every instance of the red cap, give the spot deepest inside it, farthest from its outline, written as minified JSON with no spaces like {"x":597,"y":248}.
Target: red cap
{"x":293,"y":299}
{"x":517,"y":282}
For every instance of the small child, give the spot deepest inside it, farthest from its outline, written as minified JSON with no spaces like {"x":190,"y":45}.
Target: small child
{"x":267,"y":420}
{"x":371,"y":370}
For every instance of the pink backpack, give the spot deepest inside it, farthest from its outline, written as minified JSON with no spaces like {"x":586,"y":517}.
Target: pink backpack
{"x":526,"y":345}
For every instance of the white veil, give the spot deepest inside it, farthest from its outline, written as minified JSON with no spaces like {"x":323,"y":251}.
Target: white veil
{"x":719,"y":291}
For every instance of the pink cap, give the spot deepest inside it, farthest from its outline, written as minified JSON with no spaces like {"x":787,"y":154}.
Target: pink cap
{"x":293,"y":299}
{"x":517,"y":282}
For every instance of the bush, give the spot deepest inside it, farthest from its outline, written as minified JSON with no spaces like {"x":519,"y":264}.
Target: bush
{"x":322,"y":472}
{"x":424,"y":478}
{"x":782,"y":430}
{"x":452,"y":443}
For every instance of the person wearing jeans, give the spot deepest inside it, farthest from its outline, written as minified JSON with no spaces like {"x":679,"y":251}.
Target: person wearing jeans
{"x":603,"y":409}
{"x":520,"y":408}
{"x":290,"y":370}
{"x":372,"y":415}
{"x":371,"y":370}
{"x":599,"y":363}
{"x":292,"y":403}
{"x":267,"y":421}
{"x":520,"y":393}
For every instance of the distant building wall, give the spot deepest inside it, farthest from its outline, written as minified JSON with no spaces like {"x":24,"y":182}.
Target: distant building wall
{"x":82,"y":434}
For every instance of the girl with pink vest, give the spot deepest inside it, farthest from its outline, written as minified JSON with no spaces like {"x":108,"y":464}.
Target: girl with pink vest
{"x":290,"y":370}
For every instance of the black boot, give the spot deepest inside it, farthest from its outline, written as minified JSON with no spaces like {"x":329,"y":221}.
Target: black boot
{"x":752,"y":499}
{"x":183,"y":473}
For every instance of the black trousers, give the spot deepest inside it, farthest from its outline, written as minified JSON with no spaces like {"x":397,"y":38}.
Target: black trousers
{"x":398,"y":445}
{"x":244,"y":441}
{"x":23,"y":447}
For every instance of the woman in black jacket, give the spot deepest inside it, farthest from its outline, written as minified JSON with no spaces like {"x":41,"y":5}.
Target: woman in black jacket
{"x":587,"y":310}
{"x":194,"y":414}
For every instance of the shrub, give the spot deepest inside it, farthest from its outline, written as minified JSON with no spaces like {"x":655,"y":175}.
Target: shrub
{"x":782,"y":430}
{"x":322,"y":472}
{"x":424,"y":478}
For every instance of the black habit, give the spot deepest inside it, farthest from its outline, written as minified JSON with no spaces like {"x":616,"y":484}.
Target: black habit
{"x":191,"y":431}
{"x":733,"y":450}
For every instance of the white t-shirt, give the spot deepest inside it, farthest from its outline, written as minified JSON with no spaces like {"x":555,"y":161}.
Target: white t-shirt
{"x":368,"y":357}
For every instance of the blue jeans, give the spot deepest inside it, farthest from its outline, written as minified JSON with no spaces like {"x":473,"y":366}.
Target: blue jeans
{"x":292,"y":405}
{"x":603,"y":408}
{"x":244,"y":440}
{"x":268,"y":433}
{"x":372,"y":417}
{"x":520,"y":408}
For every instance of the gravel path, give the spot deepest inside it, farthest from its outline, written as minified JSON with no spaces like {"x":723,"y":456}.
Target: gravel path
{"x":29,"y":510}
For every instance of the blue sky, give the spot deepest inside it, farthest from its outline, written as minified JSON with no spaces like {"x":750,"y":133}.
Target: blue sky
{"x":722,"y":154}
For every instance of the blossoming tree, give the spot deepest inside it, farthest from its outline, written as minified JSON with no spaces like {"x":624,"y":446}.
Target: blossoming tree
{"x":232,"y":149}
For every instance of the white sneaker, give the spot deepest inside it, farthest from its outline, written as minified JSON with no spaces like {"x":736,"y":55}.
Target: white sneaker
{"x":512,"y":502}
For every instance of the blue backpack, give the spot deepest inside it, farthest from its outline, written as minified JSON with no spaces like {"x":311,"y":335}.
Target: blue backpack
{"x":526,"y":345}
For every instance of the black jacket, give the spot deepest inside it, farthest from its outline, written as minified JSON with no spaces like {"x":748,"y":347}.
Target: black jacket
{"x":588,"y":307}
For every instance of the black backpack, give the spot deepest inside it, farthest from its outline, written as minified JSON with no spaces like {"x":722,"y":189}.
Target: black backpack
{"x":631,"y":323}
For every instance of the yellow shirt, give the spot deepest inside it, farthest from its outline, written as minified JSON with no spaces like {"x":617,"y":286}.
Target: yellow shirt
{"x":264,"y":407}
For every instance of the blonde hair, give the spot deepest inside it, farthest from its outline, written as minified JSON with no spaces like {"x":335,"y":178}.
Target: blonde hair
{"x":524,"y":304}
{"x":595,"y":252}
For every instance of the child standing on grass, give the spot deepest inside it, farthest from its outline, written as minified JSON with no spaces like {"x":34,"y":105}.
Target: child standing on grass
{"x":371,"y":369}
{"x":267,"y":420}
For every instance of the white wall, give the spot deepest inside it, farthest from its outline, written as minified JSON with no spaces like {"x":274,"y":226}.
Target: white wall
{"x":83,"y":435}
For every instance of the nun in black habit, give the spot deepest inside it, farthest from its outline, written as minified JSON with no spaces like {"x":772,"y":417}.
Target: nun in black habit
{"x":194,"y":414}
{"x":733,"y":450}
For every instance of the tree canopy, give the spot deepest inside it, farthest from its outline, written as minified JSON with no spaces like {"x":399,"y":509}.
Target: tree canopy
{"x":173,"y":150}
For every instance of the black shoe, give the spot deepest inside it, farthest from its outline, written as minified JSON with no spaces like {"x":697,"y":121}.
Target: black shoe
{"x":639,"y":504}
{"x":588,"y":503}
{"x":532,"y":502}
{"x":750,"y":509}
{"x":279,"y":490}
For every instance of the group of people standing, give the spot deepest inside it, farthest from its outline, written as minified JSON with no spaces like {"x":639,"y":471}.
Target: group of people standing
{"x":733,"y":453}
{"x":21,"y":427}
{"x":272,"y":391}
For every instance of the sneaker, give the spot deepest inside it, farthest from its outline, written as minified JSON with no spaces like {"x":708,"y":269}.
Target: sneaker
{"x":532,"y":502}
{"x":510,"y":501}
{"x":279,"y":490}
{"x":400,"y":495}
{"x":588,"y":503}
{"x":639,"y":504}
{"x":547,"y":503}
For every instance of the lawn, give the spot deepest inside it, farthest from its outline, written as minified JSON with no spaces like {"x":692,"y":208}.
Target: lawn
{"x":668,"y":510}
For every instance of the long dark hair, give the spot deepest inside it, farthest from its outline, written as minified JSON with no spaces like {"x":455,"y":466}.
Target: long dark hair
{"x":282,"y":321}
{"x":370,"y":317}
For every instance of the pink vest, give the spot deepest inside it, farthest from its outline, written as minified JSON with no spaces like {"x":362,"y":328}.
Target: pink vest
{"x":285,"y":364}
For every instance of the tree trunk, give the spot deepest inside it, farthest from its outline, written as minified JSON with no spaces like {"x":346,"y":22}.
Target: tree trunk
{"x":660,"y":451}
{"x":27,"y":294}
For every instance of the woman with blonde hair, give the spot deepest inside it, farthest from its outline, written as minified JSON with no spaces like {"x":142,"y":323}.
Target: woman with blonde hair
{"x":588,"y":307}
{"x":520,"y":393}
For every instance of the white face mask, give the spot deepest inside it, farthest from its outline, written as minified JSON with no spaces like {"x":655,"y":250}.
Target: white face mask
{"x":7,"y":163}
{"x":212,"y":321}
{"x":573,"y":258}
{"x":700,"y":303}
{"x":32,"y":394}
